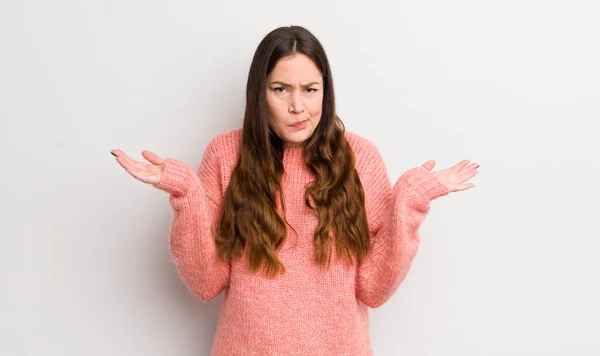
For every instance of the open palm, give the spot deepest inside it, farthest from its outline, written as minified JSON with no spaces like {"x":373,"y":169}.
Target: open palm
{"x":147,"y":173}
{"x":456,"y":176}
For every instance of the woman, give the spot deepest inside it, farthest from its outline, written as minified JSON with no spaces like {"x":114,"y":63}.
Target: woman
{"x":291,"y":216}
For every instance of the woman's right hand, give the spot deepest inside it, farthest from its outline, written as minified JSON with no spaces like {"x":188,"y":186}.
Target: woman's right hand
{"x":147,"y":173}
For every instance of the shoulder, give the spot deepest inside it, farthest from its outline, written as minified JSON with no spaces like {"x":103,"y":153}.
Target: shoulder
{"x":366,"y":154}
{"x":225,"y":145}
{"x":373,"y":176}
{"x":222,"y":151}
{"x":218,"y":161}
{"x":227,"y":139}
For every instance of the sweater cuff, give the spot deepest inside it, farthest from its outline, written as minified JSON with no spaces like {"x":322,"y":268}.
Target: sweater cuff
{"x":423,"y":184}
{"x":177,"y":177}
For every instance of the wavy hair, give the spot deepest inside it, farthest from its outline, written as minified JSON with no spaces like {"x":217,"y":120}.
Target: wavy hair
{"x":249,"y":216}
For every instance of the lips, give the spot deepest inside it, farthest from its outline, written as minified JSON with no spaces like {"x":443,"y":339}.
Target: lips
{"x":298,"y":123}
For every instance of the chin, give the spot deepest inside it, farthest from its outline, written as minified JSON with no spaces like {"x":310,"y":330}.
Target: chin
{"x":293,"y":142}
{"x":298,"y":137}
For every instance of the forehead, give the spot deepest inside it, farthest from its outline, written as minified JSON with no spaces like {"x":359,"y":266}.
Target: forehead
{"x":295,"y":68}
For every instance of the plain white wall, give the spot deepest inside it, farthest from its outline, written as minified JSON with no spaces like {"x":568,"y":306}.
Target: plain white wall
{"x":507,"y":268}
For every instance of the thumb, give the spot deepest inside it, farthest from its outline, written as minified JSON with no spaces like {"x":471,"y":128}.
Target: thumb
{"x":153,"y":158}
{"x":429,"y":165}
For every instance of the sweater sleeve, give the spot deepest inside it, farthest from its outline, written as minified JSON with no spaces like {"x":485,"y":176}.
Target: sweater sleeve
{"x":196,"y":200}
{"x":394,"y":215}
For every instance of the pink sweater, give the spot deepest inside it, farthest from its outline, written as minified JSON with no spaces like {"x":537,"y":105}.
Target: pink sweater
{"x":309,"y":310}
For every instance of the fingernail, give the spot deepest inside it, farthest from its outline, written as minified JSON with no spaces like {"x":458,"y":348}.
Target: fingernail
{"x":112,"y":153}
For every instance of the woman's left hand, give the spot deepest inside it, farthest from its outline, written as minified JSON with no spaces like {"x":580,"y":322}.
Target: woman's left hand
{"x":455,"y":177}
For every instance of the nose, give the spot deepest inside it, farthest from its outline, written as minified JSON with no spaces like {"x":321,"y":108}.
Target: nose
{"x":296,"y":105}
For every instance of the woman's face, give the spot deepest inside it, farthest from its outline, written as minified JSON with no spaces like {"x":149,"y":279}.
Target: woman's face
{"x":294,"y":95}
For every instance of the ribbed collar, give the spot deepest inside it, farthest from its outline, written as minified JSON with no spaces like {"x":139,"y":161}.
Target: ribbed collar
{"x":293,"y":155}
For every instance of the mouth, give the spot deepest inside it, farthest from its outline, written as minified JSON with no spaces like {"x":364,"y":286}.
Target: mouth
{"x":298,"y":123}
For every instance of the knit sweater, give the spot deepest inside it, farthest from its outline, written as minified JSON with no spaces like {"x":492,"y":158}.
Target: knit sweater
{"x":310,"y":310}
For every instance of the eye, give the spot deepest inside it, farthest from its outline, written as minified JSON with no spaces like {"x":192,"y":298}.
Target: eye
{"x":312,"y":89}
{"x":277,"y":89}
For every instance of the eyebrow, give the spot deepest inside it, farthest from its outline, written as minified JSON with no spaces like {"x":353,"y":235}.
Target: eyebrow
{"x":288,"y":85}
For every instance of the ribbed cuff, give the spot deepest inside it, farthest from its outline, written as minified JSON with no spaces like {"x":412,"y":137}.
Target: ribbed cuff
{"x":177,"y":177}
{"x":423,"y":184}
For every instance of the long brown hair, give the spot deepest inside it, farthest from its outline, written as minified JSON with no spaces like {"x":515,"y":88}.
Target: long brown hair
{"x":249,"y":216}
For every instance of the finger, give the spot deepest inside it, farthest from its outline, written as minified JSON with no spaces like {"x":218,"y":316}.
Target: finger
{"x":429,"y":164}
{"x":131,"y":162}
{"x":467,"y":186}
{"x":153,"y":158}
{"x":468,"y":175}
{"x":472,"y":166}
{"x":145,"y":174}
{"x":134,"y":168}
{"x":126,"y":164}
{"x":460,"y":165}
{"x":460,"y":187}
{"x":119,"y":154}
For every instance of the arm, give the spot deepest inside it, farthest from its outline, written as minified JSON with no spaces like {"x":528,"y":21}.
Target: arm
{"x":394,"y":216}
{"x":196,"y":200}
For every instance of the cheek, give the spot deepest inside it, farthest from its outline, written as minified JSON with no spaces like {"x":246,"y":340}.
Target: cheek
{"x":272,"y":105}
{"x":276,"y":111}
{"x":316,"y":106}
